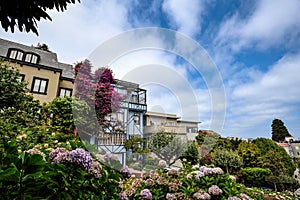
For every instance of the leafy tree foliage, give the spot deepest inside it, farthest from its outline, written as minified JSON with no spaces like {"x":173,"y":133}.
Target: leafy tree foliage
{"x":207,"y":139}
{"x":227,"y":160}
{"x":96,"y":89}
{"x":25,"y":14}
{"x":191,"y":154}
{"x":279,"y":131}
{"x":250,"y":154}
{"x":167,"y":146}
{"x":12,"y":91}
{"x":255,"y":176}
{"x":60,"y":113}
{"x":275,"y":157}
{"x":136,"y":144}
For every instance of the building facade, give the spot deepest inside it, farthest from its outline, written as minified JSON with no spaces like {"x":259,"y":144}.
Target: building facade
{"x":125,"y":123}
{"x":47,"y":78}
{"x":155,"y":122}
{"x":291,"y":146}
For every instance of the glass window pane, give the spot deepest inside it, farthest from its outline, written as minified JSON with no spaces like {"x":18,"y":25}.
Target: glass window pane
{"x":62,"y":92}
{"x":43,"y":86}
{"x":28,"y":57}
{"x":19,"y":55}
{"x":13,"y":54}
{"x":37,"y":83}
{"x":34,"y":59}
{"x":68,"y":93}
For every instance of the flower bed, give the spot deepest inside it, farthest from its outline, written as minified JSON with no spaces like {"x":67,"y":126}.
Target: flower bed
{"x":195,"y":183}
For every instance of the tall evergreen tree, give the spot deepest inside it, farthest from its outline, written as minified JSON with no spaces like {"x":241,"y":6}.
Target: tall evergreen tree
{"x":279,"y":131}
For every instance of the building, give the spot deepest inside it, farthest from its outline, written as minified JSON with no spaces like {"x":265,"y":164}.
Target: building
{"x":47,"y":77}
{"x":127,"y":122}
{"x":291,"y":146}
{"x":155,"y":121}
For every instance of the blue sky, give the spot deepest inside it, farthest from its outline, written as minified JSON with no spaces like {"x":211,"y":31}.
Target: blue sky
{"x":255,"y":46}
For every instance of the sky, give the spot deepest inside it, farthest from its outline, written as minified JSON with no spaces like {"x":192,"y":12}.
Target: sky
{"x":245,"y":74}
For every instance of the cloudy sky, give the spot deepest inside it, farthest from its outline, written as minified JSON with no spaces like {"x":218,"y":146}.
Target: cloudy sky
{"x":249,"y":50}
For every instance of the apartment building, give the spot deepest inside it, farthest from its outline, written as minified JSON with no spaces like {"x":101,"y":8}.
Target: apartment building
{"x":47,"y":78}
{"x":155,"y":121}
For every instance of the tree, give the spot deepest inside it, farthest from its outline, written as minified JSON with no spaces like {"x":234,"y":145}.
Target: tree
{"x":279,"y":131}
{"x":191,"y":154}
{"x":227,"y":159}
{"x":250,"y":154}
{"x":167,"y":146}
{"x":274,"y":157}
{"x":43,"y":47}
{"x":96,"y":89}
{"x":25,"y":14}
{"x":255,"y":177}
{"x":12,"y":91}
{"x":60,"y":113}
{"x":136,"y":145}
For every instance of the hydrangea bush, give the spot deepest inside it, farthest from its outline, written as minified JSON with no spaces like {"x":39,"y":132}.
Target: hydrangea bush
{"x":198,"y":182}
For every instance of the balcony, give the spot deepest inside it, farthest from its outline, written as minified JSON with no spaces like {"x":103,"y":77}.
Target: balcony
{"x":112,"y":139}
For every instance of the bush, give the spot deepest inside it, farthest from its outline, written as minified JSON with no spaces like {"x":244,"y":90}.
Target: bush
{"x":255,"y":177}
{"x":30,"y":175}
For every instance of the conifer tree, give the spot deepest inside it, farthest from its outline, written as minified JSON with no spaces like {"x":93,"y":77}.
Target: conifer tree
{"x":279,"y":131}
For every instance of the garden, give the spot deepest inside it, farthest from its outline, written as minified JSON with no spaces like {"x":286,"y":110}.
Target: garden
{"x":42,"y":157}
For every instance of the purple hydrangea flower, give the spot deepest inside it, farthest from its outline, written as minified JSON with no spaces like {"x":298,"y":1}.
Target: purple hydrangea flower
{"x":59,"y":155}
{"x":214,"y":190}
{"x":217,"y":170}
{"x":201,"y":195}
{"x":81,"y":158}
{"x":146,"y":194}
{"x":126,"y":172}
{"x":96,"y":170}
{"x":109,"y":156}
{"x":189,"y":176}
{"x":170,"y":196}
{"x":123,"y":196}
{"x":200,"y":174}
{"x":245,"y":197}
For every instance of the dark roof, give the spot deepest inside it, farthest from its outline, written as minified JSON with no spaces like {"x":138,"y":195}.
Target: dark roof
{"x":47,"y":58}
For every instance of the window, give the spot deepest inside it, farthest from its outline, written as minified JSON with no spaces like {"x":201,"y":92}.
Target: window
{"x":170,"y":123}
{"x":134,"y":98}
{"x":191,"y":129}
{"x":39,"y":85}
{"x":16,"y":54}
{"x":31,"y":58}
{"x":120,"y":116}
{"x":65,"y":92}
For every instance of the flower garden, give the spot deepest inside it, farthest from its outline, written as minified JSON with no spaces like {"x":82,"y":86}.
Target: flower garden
{"x":77,"y":174}
{"x":42,"y":158}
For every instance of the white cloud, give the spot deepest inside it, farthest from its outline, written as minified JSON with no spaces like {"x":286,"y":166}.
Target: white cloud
{"x":185,"y":15}
{"x":280,"y":83}
{"x":272,"y":94}
{"x":74,"y":33}
{"x":272,"y":23}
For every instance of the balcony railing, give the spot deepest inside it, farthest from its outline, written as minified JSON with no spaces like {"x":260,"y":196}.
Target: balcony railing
{"x":112,"y":139}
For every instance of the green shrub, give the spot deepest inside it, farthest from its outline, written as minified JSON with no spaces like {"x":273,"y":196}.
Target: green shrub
{"x":255,"y":177}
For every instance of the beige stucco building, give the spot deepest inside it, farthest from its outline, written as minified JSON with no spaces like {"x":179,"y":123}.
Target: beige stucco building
{"x":46,"y":77}
{"x":155,"y":121}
